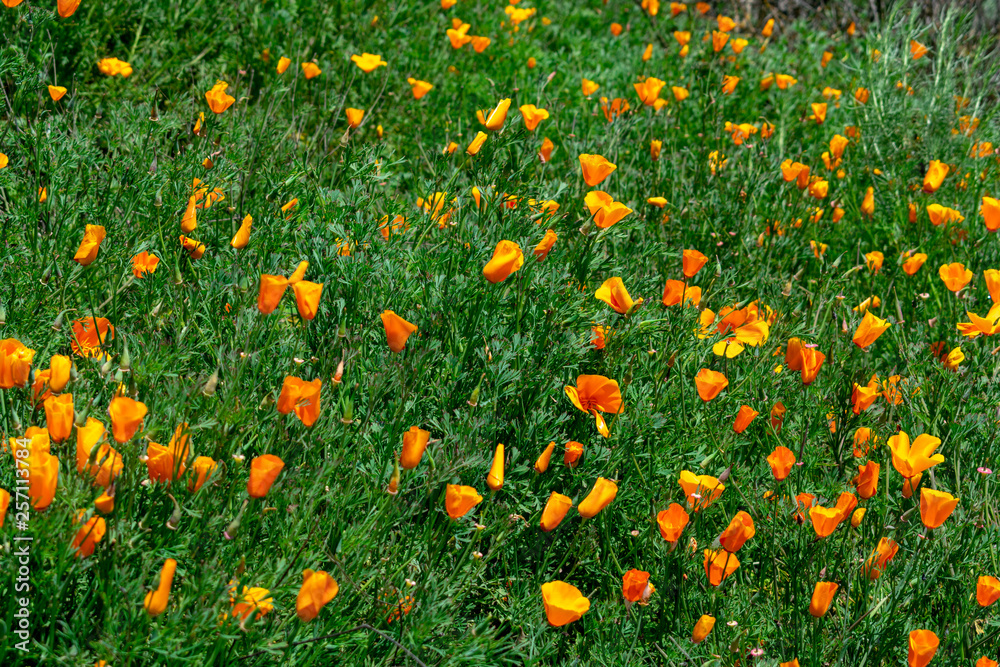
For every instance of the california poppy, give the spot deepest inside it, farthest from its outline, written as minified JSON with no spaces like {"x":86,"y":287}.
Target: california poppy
{"x":596,"y":168}
{"x":574,"y":450}
{"x":912,"y":459}
{"x":494,"y":479}
{"x":605,"y":209}
{"x":710,"y":383}
{"x":419,"y":88}
{"x":555,"y":510}
{"x":496,"y":119}
{"x":913,"y":264}
{"x":675,"y":290}
{"x":601,"y":495}
{"x":311,"y":70}
{"x":264,"y":470}
{"x":89,"y":534}
{"x":936,"y":506}
{"x":397,"y":330}
{"x":156,"y":600}
{"x":719,"y":564}
{"x":987,"y":590}
{"x":545,"y":245}
{"x":564,"y":603}
{"x":114,"y":67}
{"x":507,"y":258}
{"x":169,"y":463}
{"x":218,"y":99}
{"x":201,"y":469}
{"x":302,"y":397}
{"x":542,"y":462}
{"x":15,"y":363}
{"x":56,"y":93}
{"x":866,"y":480}
{"x":460,"y":499}
{"x":923,"y":644}
{"x":869,"y":330}
{"x":880,"y":558}
{"x":354,"y":117}
{"x":700,"y":490}
{"x":251,"y":600}
{"x":414,"y":443}
{"x":93,"y":235}
{"x":613,"y":293}
{"x":67,"y":8}
{"x":935,"y":176}
{"x":739,"y":530}
{"x":990,"y":210}
{"x":672,"y":522}
{"x":144,"y":263}
{"x":532,"y":116}
{"x":955,"y":276}
{"x":636,"y":586}
{"x":126,"y":417}
{"x":825,"y":520}
{"x":822,"y":597}
{"x":318,"y":588}
{"x":781,"y":461}
{"x":283,"y":64}
{"x":59,"y":416}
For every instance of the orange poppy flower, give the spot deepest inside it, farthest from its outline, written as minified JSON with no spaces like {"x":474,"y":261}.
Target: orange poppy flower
{"x":880,"y":558}
{"x":532,"y":116}
{"x":987,"y":590}
{"x":606,"y":211}
{"x":93,"y":235}
{"x":202,"y":468}
{"x":507,"y":258}
{"x":636,"y":586}
{"x":955,"y":276}
{"x":397,"y":330}
{"x":710,"y":383}
{"x":869,"y":330}
{"x":460,"y":499}
{"x":156,"y":600}
{"x":318,"y":588}
{"x":15,"y":363}
{"x":866,"y":480}
{"x":719,"y":565}
{"x":744,"y":417}
{"x":672,"y":522}
{"x":311,"y":70}
{"x":419,"y":88}
{"x":217,"y":98}
{"x":542,"y":462}
{"x":263,"y":471}
{"x":781,"y":461}
{"x":302,"y":397}
{"x":703,"y":627}
{"x":936,"y":506}
{"x":564,"y":603}
{"x":89,"y":534}
{"x":613,"y":293}
{"x":555,"y":510}
{"x":936,"y":173}
{"x":822,"y":597}
{"x":923,"y":644}
{"x":700,"y":490}
{"x":739,"y":530}
{"x":596,"y":168}
{"x":825,"y":519}
{"x":601,"y":495}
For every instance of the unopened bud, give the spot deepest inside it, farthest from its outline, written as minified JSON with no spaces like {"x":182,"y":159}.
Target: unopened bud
{"x":107,"y":366}
{"x":342,"y":330}
{"x":348,"y":417}
{"x":211,"y":384}
{"x":234,"y":526}
{"x":125,"y":364}
{"x":725,"y":474}
{"x":175,"y":516}
{"x":58,"y":324}
{"x":394,"y":480}
{"x":339,"y":375}
{"x":474,"y":399}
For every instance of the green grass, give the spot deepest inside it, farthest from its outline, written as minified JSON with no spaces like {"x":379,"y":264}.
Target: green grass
{"x":120,"y":152}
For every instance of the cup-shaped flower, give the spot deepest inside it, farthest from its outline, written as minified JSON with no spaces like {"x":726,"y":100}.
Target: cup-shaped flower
{"x":272,"y":288}
{"x":719,"y":564}
{"x":677,"y":290}
{"x":93,"y":235}
{"x":201,"y":470}
{"x":307,"y":296}
{"x":368,"y":62}
{"x":613,"y":293}
{"x":781,"y":461}
{"x":825,"y":519}
{"x":987,"y":590}
{"x":822,"y":597}
{"x":739,"y":530}
{"x":168,"y":463}
{"x":419,"y":88}
{"x":555,"y":510}
{"x":67,"y":8}
{"x":302,"y":397}
{"x":89,"y":534}
{"x":913,"y":264}
{"x":596,"y":168}
{"x":869,"y":330}
{"x":156,"y":600}
{"x":912,"y":459}
{"x":636,"y":586}
{"x":955,"y":276}
{"x":218,"y":99}
{"x":15,"y":363}
{"x":252,"y":600}
{"x":923,"y":644}
{"x":700,"y":490}
{"x":702,"y":628}
{"x":126,"y":417}
{"x":460,"y":499}
{"x":936,"y":506}
{"x":542,"y":462}
{"x":59,"y":416}
{"x":507,"y":258}
{"x":880,"y":558}
{"x":476,"y":143}
{"x":710,"y":383}
{"x":414,"y":443}
{"x":397,"y":330}
{"x":692,"y":261}
{"x":311,"y":70}
{"x":936,"y":173}
{"x":605,"y":209}
{"x":318,"y":588}
{"x":545,"y":245}
{"x":672,"y":522}
{"x":564,"y":603}
{"x":649,"y":90}
{"x":497,"y":117}
{"x":354,"y":117}
{"x":264,"y":470}
{"x":532,"y":116}
{"x":601,"y":495}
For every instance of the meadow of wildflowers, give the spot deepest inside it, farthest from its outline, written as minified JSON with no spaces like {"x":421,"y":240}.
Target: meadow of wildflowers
{"x":469,"y":332}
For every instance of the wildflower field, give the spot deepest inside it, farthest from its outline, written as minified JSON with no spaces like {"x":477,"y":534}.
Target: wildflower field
{"x":457,"y":332}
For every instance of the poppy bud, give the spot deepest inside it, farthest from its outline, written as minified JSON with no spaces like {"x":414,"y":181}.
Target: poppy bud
{"x":393,"y":487}
{"x":175,"y":516}
{"x":211,"y":384}
{"x":125,"y":364}
{"x":474,"y":399}
{"x":234,"y":525}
